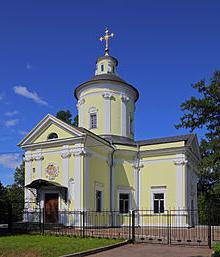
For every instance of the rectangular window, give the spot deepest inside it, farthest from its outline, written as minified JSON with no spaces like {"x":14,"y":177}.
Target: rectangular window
{"x":93,"y":120}
{"x":102,"y":67}
{"x":98,"y":197}
{"x":123,"y":203}
{"x":159,"y":203}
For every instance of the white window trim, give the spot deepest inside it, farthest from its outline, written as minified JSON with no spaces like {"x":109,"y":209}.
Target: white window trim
{"x":93,"y":110}
{"x":158,"y":190}
{"x":99,"y":188}
{"x":125,"y":191}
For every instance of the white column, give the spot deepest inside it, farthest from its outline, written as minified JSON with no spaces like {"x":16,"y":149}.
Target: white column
{"x":81,"y":111}
{"x":179,"y":182}
{"x":71,"y":190}
{"x":86,"y":180}
{"x":28,"y":160}
{"x":107,"y":112}
{"x":38,"y":157}
{"x":124,"y":100}
{"x":77,"y":152}
{"x":65,"y":154}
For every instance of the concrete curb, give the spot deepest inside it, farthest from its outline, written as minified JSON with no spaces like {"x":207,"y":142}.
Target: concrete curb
{"x":97,"y":250}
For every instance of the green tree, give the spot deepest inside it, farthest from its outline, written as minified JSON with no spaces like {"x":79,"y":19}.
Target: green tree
{"x":204,"y":112}
{"x":66,"y":116}
{"x":19,"y":175}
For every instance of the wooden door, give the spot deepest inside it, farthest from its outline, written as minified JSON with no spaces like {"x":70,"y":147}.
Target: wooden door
{"x":51,"y":208}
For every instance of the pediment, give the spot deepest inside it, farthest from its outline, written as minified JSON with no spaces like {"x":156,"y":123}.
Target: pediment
{"x":48,"y":125}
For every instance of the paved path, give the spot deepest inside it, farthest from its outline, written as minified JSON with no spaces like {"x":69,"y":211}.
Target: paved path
{"x":150,"y":250}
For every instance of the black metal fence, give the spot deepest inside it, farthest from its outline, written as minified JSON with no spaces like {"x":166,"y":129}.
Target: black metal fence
{"x":170,"y":227}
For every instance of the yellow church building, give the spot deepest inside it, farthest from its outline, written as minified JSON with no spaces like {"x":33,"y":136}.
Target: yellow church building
{"x":99,"y":165}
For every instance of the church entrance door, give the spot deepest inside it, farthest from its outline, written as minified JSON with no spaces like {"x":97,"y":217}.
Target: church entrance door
{"x":51,"y":208}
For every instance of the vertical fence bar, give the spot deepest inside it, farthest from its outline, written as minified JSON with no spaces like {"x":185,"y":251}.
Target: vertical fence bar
{"x":168,"y":228}
{"x":43,"y":220}
{"x":9,"y":217}
{"x":133,"y":226}
{"x":83,"y":223}
{"x":209,"y":229}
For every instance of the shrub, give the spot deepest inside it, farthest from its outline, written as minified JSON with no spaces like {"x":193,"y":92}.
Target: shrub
{"x":217,"y":249}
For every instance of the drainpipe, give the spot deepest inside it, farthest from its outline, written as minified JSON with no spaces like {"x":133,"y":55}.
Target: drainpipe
{"x":111,"y":182}
{"x":138,"y":184}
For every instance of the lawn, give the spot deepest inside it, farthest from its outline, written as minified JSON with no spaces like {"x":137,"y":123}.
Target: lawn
{"x":48,"y":245}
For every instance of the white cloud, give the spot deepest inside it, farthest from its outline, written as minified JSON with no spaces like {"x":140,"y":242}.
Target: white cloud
{"x":11,"y":123}
{"x":10,"y":160}
{"x":10,"y":114}
{"x":23,"y":91}
{"x":22,"y":132}
{"x":28,"y":66}
{"x":1,"y":97}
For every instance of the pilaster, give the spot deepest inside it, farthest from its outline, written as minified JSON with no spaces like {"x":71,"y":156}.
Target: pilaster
{"x":107,"y":112}
{"x":38,"y":157}
{"x":65,"y":154}
{"x":79,"y":105}
{"x":124,"y":100}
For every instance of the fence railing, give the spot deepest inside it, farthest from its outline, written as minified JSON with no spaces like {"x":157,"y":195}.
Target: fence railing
{"x":170,"y":227}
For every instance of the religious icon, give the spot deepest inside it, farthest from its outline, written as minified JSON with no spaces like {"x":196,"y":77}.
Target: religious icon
{"x":52,"y":171}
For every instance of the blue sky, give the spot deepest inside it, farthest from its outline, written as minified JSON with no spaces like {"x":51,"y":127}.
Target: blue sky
{"x":49,"y":47}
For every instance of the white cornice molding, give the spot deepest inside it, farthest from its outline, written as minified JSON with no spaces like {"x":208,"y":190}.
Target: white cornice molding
{"x":53,"y":143}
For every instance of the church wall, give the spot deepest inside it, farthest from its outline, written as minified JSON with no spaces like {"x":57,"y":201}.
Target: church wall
{"x":162,"y":146}
{"x":98,"y":179}
{"x":124,"y":182}
{"x":121,"y":101}
{"x":116,"y":115}
{"x":94,"y":101}
{"x":161,"y":176}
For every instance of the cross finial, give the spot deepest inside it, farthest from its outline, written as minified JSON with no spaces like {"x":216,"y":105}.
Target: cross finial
{"x":106,"y":38}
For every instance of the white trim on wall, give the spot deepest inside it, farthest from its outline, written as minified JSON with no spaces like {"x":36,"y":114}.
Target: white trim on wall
{"x":158,"y":190}
{"x":99,"y":187}
{"x":125,"y":191}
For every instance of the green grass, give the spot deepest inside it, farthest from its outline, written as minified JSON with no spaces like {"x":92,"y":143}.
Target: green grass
{"x":216,"y":249}
{"x":48,"y":245}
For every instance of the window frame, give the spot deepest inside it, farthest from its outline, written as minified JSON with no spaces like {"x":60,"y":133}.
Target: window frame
{"x":124,"y":191}
{"x":97,"y":209}
{"x":101,"y":189}
{"x":158,"y":190}
{"x":52,"y":133}
{"x":90,"y":120}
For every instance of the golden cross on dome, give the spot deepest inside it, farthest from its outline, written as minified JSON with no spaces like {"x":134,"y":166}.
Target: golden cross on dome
{"x":106,"y":38}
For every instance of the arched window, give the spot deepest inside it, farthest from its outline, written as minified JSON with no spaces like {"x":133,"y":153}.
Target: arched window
{"x":52,"y":136}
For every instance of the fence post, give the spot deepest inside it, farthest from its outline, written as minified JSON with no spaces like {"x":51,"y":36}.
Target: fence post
{"x":9,"y":217}
{"x":209,"y":229}
{"x":83,"y":223}
{"x":133,"y":226}
{"x":168,"y":227}
{"x":43,"y":220}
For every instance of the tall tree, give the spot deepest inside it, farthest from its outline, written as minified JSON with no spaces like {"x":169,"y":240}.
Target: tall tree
{"x":204,"y":112}
{"x":19,"y":175}
{"x":66,"y":116}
